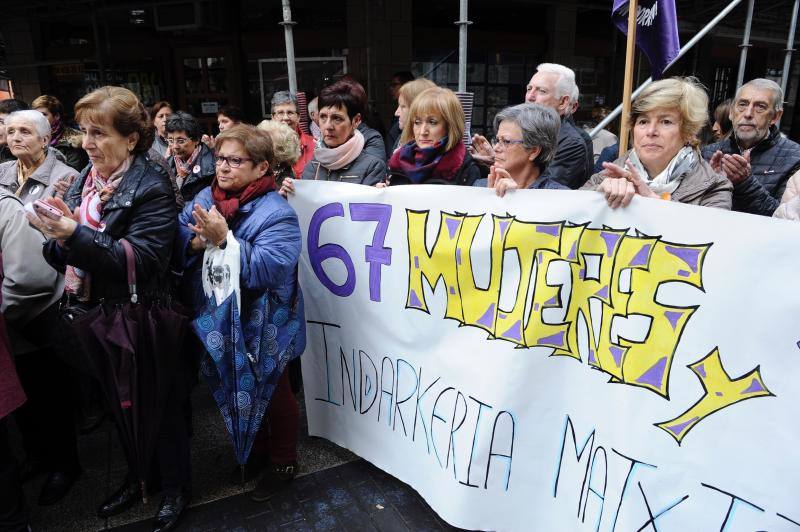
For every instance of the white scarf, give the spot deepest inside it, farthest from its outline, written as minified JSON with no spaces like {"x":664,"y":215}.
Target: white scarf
{"x":667,"y":181}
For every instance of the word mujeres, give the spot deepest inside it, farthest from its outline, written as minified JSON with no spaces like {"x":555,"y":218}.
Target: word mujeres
{"x":597,"y":260}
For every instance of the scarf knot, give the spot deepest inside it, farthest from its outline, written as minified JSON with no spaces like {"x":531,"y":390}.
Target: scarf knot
{"x":228,"y":203}
{"x":684,"y":162}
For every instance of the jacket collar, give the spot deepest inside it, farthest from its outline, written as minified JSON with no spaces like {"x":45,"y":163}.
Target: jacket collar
{"x":123,"y":196}
{"x":772,"y":138}
{"x":205,"y":166}
{"x":43,"y":174}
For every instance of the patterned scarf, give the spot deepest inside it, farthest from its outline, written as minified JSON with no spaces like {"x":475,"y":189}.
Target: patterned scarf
{"x":56,"y":130}
{"x":183,"y":169}
{"x":97,"y":190}
{"x":421,"y":164}
{"x":668,"y":181}
{"x":228,"y":203}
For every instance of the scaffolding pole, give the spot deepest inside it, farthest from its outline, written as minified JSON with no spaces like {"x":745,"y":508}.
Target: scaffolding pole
{"x":287,"y":32}
{"x":787,"y":61}
{"x":745,"y":44}
{"x":462,"y":24}
{"x":694,"y":40}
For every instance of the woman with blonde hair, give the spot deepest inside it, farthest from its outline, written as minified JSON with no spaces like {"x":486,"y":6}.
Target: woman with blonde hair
{"x":405,"y":97}
{"x":665,"y":161}
{"x":285,"y":146}
{"x":431,"y":147}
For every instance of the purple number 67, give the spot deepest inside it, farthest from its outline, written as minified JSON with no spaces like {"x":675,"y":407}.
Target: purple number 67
{"x":375,"y":254}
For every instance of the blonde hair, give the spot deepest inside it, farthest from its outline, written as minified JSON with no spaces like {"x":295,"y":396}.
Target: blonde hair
{"x":122,"y":109}
{"x":686,"y":95}
{"x":410,"y":90}
{"x":285,"y":143}
{"x":442,"y":102}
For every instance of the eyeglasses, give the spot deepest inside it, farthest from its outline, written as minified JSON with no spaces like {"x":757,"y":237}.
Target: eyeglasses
{"x":284,"y":113}
{"x":180,"y":141}
{"x":505,"y":143}
{"x":758,"y":107}
{"x":233,"y":162}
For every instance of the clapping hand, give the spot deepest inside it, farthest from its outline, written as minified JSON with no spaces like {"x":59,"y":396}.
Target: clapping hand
{"x":209,"y":224}
{"x":621,"y":184}
{"x":481,"y":150}
{"x":732,"y":165}
{"x":500,"y":180}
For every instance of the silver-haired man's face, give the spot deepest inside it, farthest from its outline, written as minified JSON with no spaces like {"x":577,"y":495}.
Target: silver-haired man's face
{"x":542,"y":89}
{"x":752,"y":114}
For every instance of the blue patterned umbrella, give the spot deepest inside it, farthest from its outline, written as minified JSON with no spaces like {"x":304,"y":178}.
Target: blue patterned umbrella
{"x":242,"y":364}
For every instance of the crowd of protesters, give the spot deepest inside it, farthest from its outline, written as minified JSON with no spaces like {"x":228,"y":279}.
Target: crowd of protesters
{"x":145,"y":192}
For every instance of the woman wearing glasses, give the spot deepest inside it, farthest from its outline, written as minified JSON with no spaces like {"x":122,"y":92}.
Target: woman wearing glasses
{"x":192,"y":162}
{"x":243,"y":200}
{"x":527,"y":136}
{"x":431,"y":147}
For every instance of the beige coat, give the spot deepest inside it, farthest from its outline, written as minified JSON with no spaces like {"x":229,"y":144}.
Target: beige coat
{"x":702,"y":187}
{"x":41,"y":183}
{"x":789,"y":209}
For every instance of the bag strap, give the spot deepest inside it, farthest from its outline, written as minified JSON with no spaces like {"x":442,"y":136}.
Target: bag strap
{"x":130,"y":262}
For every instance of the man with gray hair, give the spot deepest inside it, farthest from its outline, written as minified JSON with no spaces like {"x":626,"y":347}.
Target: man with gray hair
{"x":756,"y":158}
{"x":526,"y":144}
{"x":554,"y":86}
{"x":284,"y":109}
{"x":313,"y":115}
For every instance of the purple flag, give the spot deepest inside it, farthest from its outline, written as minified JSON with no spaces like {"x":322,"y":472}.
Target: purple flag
{"x":656,"y":30}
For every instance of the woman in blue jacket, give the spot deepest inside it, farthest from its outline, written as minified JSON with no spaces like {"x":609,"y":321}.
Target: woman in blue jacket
{"x":242,"y":199}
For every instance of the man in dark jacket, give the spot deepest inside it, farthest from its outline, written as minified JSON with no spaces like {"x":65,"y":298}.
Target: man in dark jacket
{"x":554,"y":86}
{"x":756,"y":158}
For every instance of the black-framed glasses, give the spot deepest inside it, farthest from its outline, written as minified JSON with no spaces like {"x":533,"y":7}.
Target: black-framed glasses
{"x":505,"y":143}
{"x":233,"y":162}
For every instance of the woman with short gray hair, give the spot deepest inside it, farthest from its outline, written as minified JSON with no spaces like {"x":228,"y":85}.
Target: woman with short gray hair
{"x":38,"y":169}
{"x":527,"y":135}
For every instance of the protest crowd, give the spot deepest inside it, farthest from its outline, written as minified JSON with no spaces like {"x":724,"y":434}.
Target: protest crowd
{"x":109,"y":223}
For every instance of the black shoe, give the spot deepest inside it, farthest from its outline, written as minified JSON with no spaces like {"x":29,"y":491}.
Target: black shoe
{"x":170,"y":512}
{"x":126,"y":496}
{"x":274,"y":479}
{"x":56,"y":486}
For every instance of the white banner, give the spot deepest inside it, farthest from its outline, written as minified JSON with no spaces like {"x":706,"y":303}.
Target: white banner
{"x":541,"y":362}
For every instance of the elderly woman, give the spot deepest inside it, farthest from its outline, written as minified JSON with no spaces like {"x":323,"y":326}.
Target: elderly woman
{"x":527,"y":138}
{"x":37,"y":173}
{"x":405,"y":97}
{"x":432,"y":148}
{"x":62,"y":138}
{"x":340,"y":155}
{"x":286,"y":149}
{"x":243,"y":200}
{"x":159,"y":113}
{"x":665,"y":162}
{"x":123,"y":195}
{"x":285,"y":111}
{"x":191,"y":160}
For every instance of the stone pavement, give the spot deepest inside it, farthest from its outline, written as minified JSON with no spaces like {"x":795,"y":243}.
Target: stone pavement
{"x":334,"y":490}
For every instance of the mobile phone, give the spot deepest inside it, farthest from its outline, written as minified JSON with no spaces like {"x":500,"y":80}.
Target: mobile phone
{"x":43,"y":210}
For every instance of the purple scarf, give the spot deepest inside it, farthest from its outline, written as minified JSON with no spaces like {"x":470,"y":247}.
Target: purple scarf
{"x":56,"y":130}
{"x":418,"y":164}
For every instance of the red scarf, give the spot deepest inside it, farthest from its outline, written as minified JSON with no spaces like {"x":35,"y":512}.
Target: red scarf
{"x":228,"y":203}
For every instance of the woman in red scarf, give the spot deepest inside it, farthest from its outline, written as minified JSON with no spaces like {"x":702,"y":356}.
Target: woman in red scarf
{"x":431,"y":148}
{"x":242,"y":204}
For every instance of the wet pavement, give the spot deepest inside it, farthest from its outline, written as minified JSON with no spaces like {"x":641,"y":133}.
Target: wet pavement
{"x":334,"y":490}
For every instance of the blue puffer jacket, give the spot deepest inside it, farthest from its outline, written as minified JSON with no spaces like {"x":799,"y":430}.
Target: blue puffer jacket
{"x":269,"y":235}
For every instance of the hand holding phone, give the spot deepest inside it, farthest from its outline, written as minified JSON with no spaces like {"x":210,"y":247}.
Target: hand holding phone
{"x":45,"y":211}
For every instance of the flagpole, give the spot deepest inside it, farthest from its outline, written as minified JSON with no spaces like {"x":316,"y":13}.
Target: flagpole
{"x":627,"y":87}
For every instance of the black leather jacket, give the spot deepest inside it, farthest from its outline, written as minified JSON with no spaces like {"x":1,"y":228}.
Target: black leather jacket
{"x":203,"y":172}
{"x":772,"y":162}
{"x":143,"y":211}
{"x":574,"y":160}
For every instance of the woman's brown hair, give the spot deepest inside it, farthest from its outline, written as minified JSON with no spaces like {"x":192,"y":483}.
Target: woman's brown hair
{"x":257,"y":143}
{"x":120,"y":108}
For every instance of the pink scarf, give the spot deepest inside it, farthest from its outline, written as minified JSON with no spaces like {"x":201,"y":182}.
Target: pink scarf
{"x":97,"y":190}
{"x":340,"y":156}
